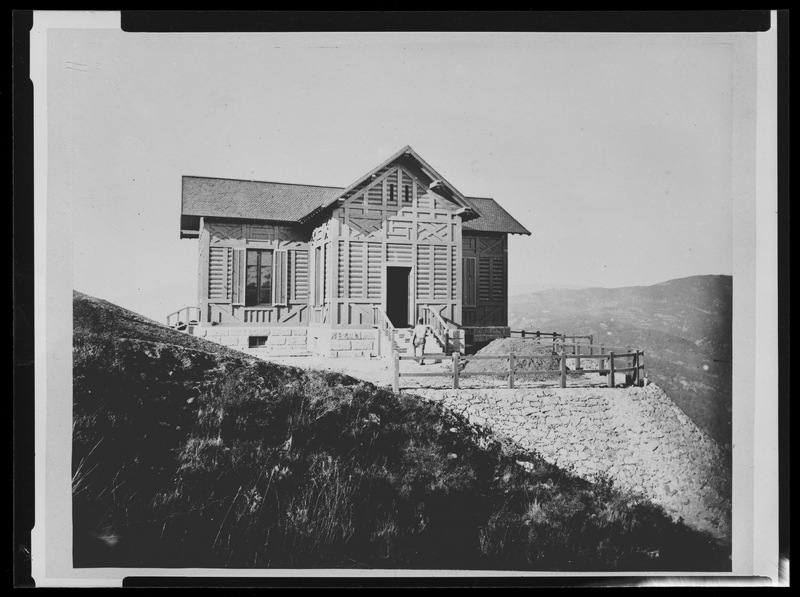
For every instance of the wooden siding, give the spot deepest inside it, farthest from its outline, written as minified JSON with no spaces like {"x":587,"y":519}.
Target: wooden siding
{"x":394,"y":220}
{"x":485,"y":279}
{"x":223,"y":247}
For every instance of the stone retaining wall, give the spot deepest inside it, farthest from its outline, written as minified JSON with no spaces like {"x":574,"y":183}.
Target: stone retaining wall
{"x":353,"y":343}
{"x":277,"y":341}
{"x":487,"y":333}
{"x":636,"y":437}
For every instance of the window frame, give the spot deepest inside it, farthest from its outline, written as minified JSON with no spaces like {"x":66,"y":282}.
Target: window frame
{"x":260,"y":265}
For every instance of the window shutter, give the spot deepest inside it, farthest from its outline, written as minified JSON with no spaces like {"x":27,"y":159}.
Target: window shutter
{"x":220,"y":272}
{"x":468,"y":289}
{"x":280,"y":278}
{"x":298,"y":274}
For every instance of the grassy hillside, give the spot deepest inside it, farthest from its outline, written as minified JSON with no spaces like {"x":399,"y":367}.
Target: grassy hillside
{"x":684,"y":326}
{"x":186,"y":454}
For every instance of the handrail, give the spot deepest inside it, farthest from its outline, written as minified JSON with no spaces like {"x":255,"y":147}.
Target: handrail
{"x":439,"y":327}
{"x":175,"y":319}
{"x":381,"y":321}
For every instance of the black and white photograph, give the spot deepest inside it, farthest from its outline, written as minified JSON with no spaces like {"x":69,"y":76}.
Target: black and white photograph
{"x":402,"y":302}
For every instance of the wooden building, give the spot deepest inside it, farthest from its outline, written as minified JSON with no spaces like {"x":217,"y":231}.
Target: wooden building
{"x":338,"y":271}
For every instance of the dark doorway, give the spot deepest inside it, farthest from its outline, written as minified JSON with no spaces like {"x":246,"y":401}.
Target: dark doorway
{"x":397,"y":295}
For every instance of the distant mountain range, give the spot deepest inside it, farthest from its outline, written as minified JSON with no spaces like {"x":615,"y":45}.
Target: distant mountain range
{"x":517,"y":289}
{"x":684,"y":326}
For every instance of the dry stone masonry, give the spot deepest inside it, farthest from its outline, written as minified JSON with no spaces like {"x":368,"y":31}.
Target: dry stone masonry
{"x":636,"y":437}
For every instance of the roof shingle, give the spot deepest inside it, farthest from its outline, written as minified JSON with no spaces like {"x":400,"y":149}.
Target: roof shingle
{"x":252,"y":200}
{"x":493,"y":218}
{"x":283,"y":202}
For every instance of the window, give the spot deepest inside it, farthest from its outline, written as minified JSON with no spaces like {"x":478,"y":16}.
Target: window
{"x":257,"y":341}
{"x":391,"y":193}
{"x":406,"y":194}
{"x":258,"y":289}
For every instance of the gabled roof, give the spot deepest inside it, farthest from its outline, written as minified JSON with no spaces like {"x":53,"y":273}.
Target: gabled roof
{"x":252,"y":200}
{"x":298,"y":203}
{"x":492,"y":218}
{"x":408,"y":155}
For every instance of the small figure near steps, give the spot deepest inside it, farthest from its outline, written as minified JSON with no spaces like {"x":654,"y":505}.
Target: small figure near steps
{"x":418,"y":339}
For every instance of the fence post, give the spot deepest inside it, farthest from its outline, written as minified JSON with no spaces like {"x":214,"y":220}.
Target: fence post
{"x":611,"y":383}
{"x":523,"y":333}
{"x":511,"y":371}
{"x":602,"y":361}
{"x":455,"y":369}
{"x":591,"y":344}
{"x":396,"y":382}
{"x":635,"y":379}
{"x":641,"y":365}
{"x":563,"y":368}
{"x":577,"y":356}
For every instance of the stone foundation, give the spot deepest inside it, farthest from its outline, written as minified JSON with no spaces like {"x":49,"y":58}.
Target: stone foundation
{"x":275,"y":341}
{"x":343,"y":342}
{"x":353,"y":343}
{"x":475,"y":335}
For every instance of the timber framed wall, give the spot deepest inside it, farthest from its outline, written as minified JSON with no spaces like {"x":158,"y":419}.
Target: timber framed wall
{"x":222,"y":272}
{"x":485,"y":279}
{"x":394,"y":220}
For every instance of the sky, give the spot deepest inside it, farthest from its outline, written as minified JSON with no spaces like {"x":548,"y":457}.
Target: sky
{"x":615,"y":151}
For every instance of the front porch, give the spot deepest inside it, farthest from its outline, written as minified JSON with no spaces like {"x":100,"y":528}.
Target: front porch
{"x":375,"y":338}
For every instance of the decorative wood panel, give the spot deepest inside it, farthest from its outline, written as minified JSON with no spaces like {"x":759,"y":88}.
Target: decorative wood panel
{"x":275,"y":315}
{"x":433,"y":232}
{"x":273,"y":232}
{"x":220,"y":232}
{"x":364,"y":225}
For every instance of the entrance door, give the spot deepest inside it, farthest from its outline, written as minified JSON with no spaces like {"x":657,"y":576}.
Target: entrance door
{"x":397,"y":286}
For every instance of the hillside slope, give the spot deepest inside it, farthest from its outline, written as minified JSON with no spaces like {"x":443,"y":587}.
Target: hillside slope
{"x":684,"y":326}
{"x":186,"y":454}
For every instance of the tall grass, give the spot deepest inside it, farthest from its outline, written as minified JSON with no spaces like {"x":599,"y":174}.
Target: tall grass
{"x":183,"y":459}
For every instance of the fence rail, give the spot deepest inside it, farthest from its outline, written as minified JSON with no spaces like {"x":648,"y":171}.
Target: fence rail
{"x":635,"y":367}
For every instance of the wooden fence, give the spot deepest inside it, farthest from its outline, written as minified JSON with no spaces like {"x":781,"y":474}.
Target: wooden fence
{"x":608,"y":365}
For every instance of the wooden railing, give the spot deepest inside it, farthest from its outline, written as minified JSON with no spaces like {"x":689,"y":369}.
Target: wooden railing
{"x":439,"y":327}
{"x":184,"y":317}
{"x":608,"y":366}
{"x":385,"y":329}
{"x":553,"y":338}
